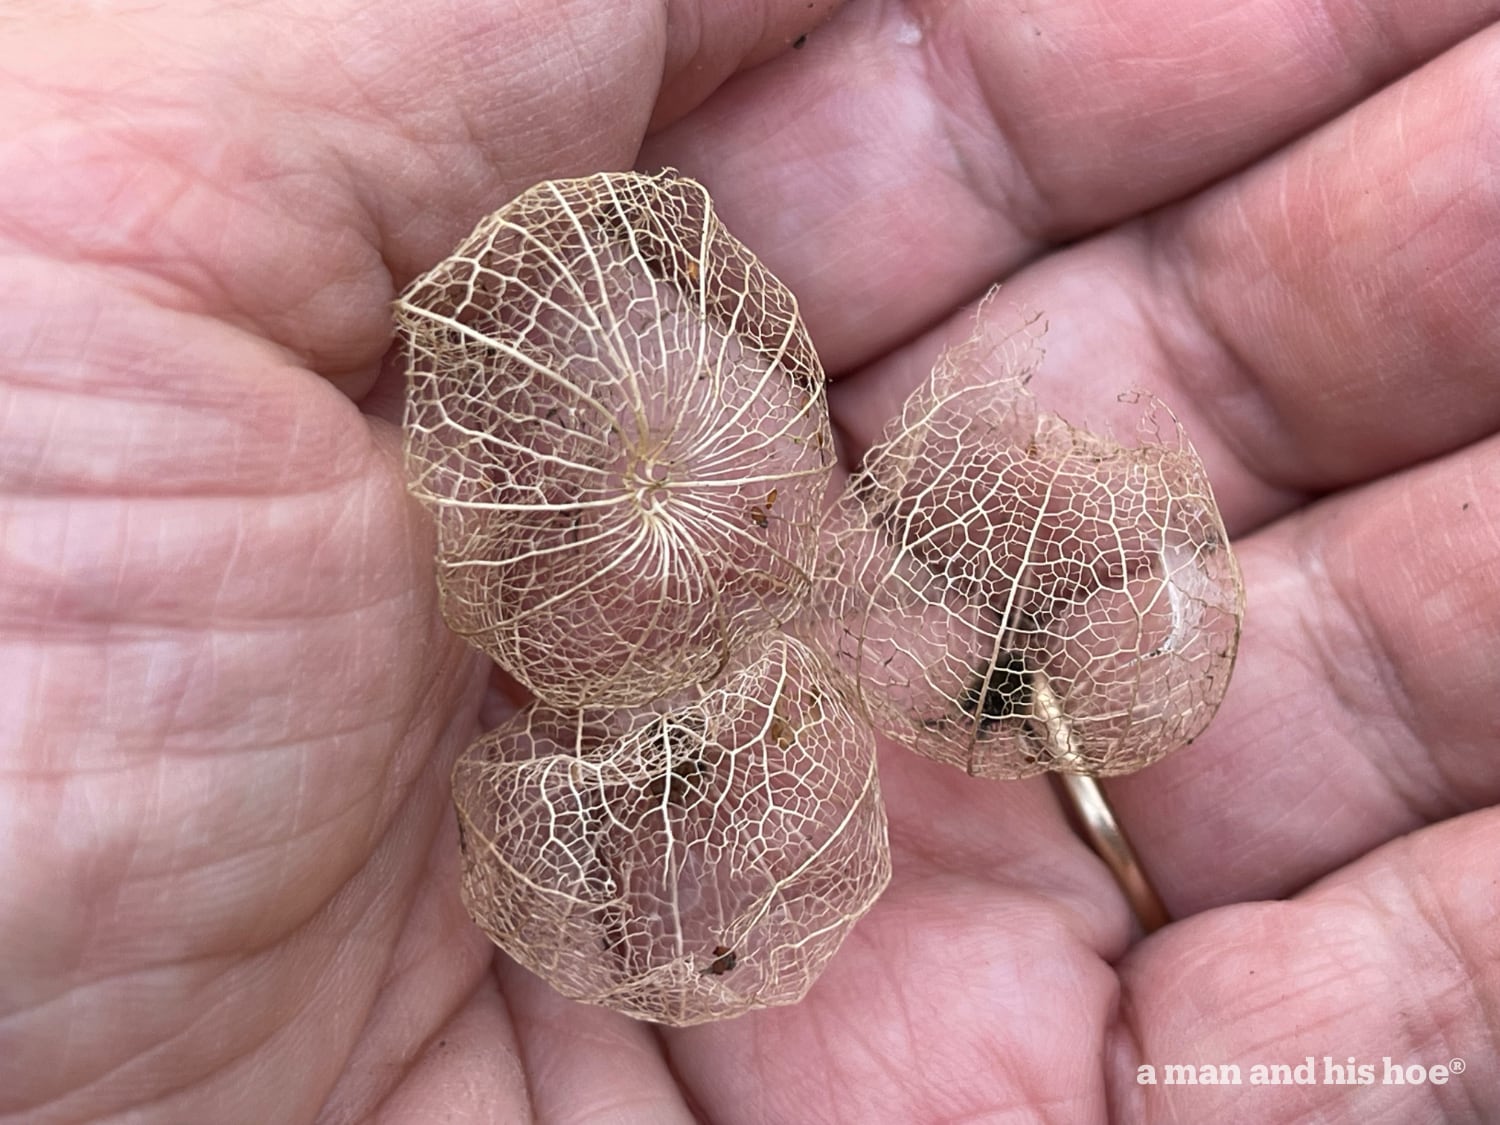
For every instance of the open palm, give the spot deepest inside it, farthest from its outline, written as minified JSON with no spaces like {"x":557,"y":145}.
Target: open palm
{"x":228,"y":876}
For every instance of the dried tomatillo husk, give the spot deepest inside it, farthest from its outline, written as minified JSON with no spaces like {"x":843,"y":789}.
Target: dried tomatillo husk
{"x":1014,"y":594}
{"x":681,"y":865}
{"x":619,"y":424}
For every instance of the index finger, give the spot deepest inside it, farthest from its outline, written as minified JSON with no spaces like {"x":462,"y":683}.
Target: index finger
{"x":287,"y":167}
{"x":910,"y":155}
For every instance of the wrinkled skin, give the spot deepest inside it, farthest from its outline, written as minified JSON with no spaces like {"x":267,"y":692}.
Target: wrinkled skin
{"x":228,"y":876}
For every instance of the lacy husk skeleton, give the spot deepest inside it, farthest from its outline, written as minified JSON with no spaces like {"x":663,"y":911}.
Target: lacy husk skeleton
{"x":619,"y":426}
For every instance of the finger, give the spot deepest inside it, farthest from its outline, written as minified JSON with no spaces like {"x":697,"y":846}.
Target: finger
{"x":622,"y":1077}
{"x":1396,"y":957}
{"x":229,"y":703}
{"x":1362,"y":706}
{"x":1008,"y":835}
{"x":911,"y":154}
{"x":438,"y":1031}
{"x":709,"y":42}
{"x":997,"y":919}
{"x":1353,"y":714}
{"x":1315,"y":322}
{"x":286,"y":167}
{"x":457,"y":1070}
{"x":956,"y":998}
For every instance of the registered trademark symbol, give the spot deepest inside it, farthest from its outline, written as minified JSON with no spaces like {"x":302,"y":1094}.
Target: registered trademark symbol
{"x":1456,"y":1066}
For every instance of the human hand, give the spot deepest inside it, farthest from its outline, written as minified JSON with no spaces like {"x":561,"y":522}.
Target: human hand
{"x":230,"y":874}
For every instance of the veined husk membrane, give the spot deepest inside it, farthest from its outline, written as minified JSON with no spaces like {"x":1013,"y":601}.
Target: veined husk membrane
{"x":618,"y":422}
{"x":682,"y":863}
{"x":1012,"y":594}
{"x":619,"y":425}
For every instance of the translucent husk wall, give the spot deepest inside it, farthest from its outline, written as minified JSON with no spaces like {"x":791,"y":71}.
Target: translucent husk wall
{"x":619,"y":426}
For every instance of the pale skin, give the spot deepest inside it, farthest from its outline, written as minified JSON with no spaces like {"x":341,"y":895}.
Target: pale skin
{"x":228,"y":869}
